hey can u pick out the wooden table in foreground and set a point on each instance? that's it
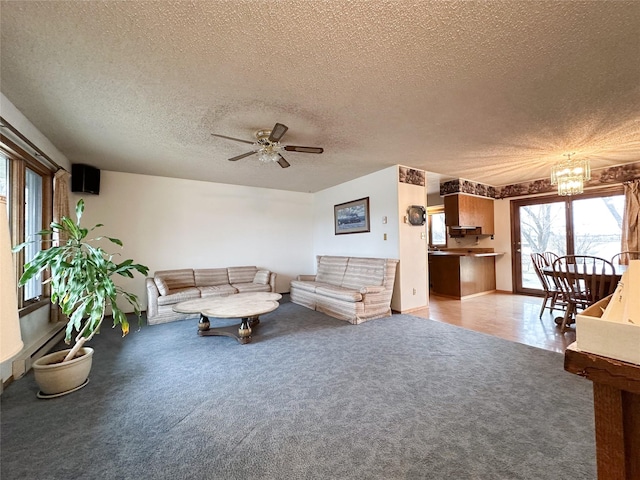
(616, 404)
(245, 306)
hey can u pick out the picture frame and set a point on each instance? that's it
(352, 217)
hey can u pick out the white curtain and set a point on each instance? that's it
(630, 219)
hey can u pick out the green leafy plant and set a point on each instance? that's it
(81, 279)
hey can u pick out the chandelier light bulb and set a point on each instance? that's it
(570, 175)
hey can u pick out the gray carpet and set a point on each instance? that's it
(311, 398)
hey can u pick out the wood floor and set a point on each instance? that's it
(512, 317)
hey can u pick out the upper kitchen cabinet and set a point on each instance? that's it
(468, 215)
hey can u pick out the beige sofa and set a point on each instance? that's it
(169, 287)
(354, 289)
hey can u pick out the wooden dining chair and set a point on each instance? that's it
(549, 257)
(583, 280)
(552, 295)
(623, 258)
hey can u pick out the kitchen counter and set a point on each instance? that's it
(466, 253)
(464, 272)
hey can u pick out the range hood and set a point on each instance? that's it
(463, 230)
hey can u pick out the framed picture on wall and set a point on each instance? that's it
(352, 217)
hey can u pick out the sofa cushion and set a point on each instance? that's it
(262, 277)
(251, 287)
(241, 274)
(331, 269)
(179, 295)
(305, 285)
(163, 288)
(216, 290)
(362, 272)
(339, 293)
(205, 277)
(168, 280)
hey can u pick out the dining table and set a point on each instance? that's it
(618, 271)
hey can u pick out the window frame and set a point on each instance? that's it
(19, 160)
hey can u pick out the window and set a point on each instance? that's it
(588, 224)
(4, 176)
(32, 225)
(28, 186)
(437, 228)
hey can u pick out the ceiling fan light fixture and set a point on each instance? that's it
(267, 151)
(570, 175)
(268, 147)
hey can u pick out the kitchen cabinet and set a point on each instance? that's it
(462, 210)
(460, 273)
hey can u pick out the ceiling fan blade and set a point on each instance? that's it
(233, 159)
(277, 132)
(234, 139)
(294, 148)
(283, 163)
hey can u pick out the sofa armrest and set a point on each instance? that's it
(306, 278)
(376, 296)
(152, 297)
(272, 282)
(372, 289)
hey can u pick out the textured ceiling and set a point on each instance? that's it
(493, 92)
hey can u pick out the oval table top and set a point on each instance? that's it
(239, 305)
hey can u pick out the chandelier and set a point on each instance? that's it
(570, 175)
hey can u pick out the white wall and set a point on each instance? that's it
(381, 188)
(434, 199)
(502, 243)
(168, 223)
(411, 290)
(390, 199)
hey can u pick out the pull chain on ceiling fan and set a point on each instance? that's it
(268, 147)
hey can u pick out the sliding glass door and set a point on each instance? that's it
(588, 224)
(542, 228)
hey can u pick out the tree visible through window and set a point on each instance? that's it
(590, 224)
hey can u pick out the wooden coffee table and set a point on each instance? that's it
(245, 306)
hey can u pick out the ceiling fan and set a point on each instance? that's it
(268, 147)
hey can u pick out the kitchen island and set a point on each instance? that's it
(462, 272)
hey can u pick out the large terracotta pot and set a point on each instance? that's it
(56, 379)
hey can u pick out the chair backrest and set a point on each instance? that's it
(538, 264)
(584, 279)
(623, 258)
(549, 257)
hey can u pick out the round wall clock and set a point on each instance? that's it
(416, 215)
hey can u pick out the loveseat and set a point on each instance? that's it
(169, 287)
(354, 289)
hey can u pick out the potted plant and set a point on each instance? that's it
(82, 285)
